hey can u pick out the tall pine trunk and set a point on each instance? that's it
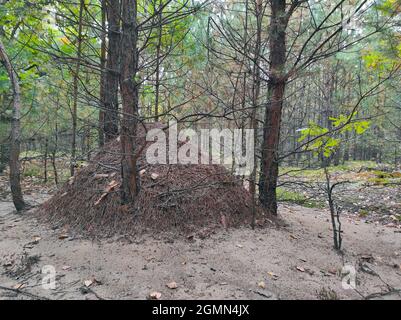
(158, 61)
(76, 89)
(273, 111)
(102, 93)
(129, 93)
(15, 174)
(112, 75)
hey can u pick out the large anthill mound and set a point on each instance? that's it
(184, 198)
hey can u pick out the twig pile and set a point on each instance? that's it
(183, 198)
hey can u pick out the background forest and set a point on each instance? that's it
(317, 82)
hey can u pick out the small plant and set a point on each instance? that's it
(327, 294)
(286, 195)
(363, 213)
(32, 170)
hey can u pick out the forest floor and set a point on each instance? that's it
(295, 261)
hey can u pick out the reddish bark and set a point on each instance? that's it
(112, 66)
(273, 111)
(129, 93)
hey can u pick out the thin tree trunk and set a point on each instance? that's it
(158, 62)
(273, 111)
(103, 60)
(112, 75)
(46, 155)
(75, 90)
(15, 174)
(129, 93)
(255, 101)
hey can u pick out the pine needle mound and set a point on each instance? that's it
(181, 198)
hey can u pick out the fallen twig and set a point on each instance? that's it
(28, 294)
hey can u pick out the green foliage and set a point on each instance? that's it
(286, 195)
(32, 170)
(323, 140)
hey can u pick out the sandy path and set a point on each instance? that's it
(228, 265)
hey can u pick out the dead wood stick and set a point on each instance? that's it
(18, 291)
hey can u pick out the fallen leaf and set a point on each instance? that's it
(332, 271)
(36, 239)
(18, 286)
(88, 283)
(172, 285)
(63, 236)
(154, 176)
(293, 237)
(65, 268)
(262, 285)
(142, 172)
(301, 269)
(155, 295)
(239, 245)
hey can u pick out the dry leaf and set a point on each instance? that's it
(273, 275)
(154, 176)
(63, 236)
(301, 269)
(332, 271)
(65, 268)
(18, 286)
(172, 285)
(142, 172)
(88, 283)
(262, 285)
(155, 295)
(239, 245)
(37, 238)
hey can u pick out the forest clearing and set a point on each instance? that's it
(200, 150)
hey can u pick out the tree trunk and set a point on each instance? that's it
(273, 111)
(129, 94)
(112, 75)
(15, 175)
(158, 62)
(45, 157)
(103, 49)
(75, 90)
(255, 101)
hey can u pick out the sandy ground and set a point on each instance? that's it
(294, 262)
